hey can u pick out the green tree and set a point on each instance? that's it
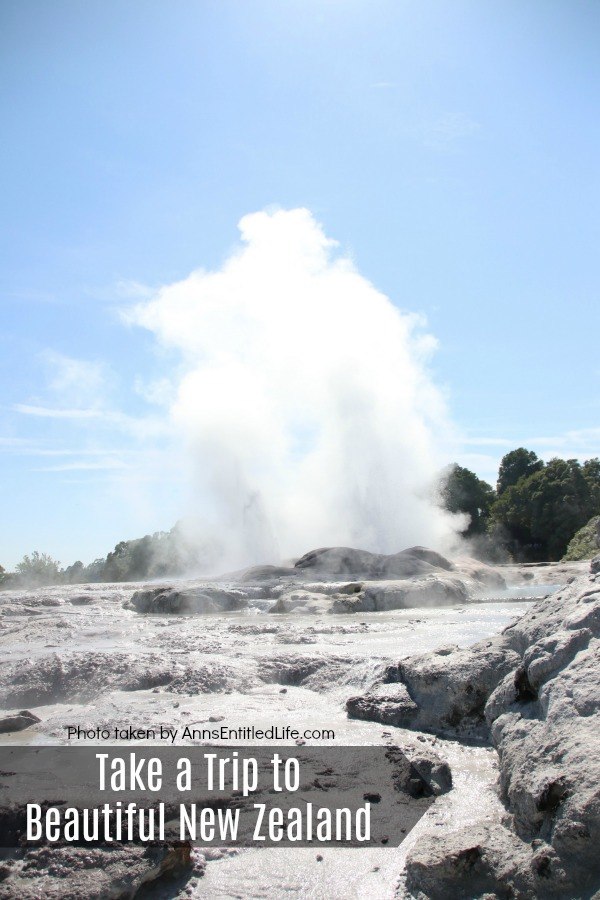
(38, 569)
(517, 464)
(462, 491)
(538, 516)
(139, 559)
(75, 574)
(95, 571)
(591, 473)
(117, 563)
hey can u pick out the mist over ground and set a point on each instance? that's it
(303, 398)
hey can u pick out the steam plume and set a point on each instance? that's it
(303, 397)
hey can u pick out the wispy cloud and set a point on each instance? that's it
(586, 439)
(488, 441)
(77, 383)
(159, 392)
(31, 296)
(139, 426)
(13, 443)
(583, 437)
(109, 463)
(582, 444)
(49, 412)
(23, 447)
(134, 290)
(69, 452)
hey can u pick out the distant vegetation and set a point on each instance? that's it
(535, 511)
(38, 569)
(162, 554)
(538, 511)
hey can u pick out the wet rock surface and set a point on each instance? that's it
(75, 873)
(488, 862)
(64, 677)
(18, 722)
(444, 692)
(537, 695)
(543, 573)
(88, 656)
(85, 654)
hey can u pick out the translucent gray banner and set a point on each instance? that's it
(237, 796)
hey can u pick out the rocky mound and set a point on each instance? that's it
(202, 599)
(346, 562)
(411, 578)
(535, 693)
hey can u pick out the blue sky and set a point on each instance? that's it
(450, 147)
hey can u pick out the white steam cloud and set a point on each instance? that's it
(303, 397)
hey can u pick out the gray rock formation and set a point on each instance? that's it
(482, 862)
(412, 578)
(443, 693)
(62, 677)
(72, 873)
(430, 590)
(345, 561)
(19, 722)
(535, 693)
(373, 596)
(204, 599)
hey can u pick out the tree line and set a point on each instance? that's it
(158, 555)
(535, 510)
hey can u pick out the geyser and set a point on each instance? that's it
(303, 397)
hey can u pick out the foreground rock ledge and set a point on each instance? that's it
(534, 692)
